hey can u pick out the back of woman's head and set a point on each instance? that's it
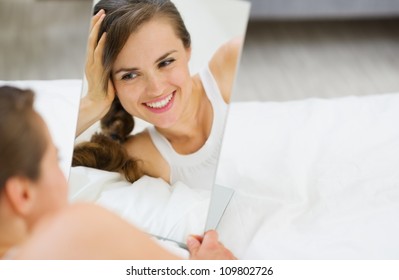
(125, 17)
(22, 140)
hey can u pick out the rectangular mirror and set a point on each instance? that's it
(171, 65)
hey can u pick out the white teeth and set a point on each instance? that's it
(160, 104)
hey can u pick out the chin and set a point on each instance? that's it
(165, 124)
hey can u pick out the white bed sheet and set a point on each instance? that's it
(313, 179)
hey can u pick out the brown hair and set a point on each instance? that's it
(22, 141)
(105, 151)
(106, 154)
(124, 17)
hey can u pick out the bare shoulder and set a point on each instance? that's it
(88, 231)
(142, 140)
(141, 147)
(223, 65)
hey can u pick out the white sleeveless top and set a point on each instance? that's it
(197, 170)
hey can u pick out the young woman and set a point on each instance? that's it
(36, 221)
(141, 59)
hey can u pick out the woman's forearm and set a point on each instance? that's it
(89, 113)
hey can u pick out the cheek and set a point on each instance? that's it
(52, 194)
(180, 77)
(128, 96)
(122, 90)
(58, 188)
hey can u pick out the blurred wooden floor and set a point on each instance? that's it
(294, 60)
(43, 40)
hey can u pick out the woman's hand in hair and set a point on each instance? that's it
(101, 92)
(208, 247)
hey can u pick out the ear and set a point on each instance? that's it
(21, 194)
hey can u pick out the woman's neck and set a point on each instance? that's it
(13, 232)
(194, 126)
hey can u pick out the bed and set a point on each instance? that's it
(317, 178)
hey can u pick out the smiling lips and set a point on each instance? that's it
(161, 105)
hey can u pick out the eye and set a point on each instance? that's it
(166, 62)
(129, 76)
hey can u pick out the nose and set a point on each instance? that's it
(154, 85)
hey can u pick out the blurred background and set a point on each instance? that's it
(297, 49)
(294, 49)
(43, 39)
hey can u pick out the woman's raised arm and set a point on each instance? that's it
(96, 103)
(224, 66)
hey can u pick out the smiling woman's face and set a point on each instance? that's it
(151, 74)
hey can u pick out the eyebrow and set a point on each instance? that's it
(135, 68)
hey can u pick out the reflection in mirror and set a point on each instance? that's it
(314, 177)
(164, 70)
